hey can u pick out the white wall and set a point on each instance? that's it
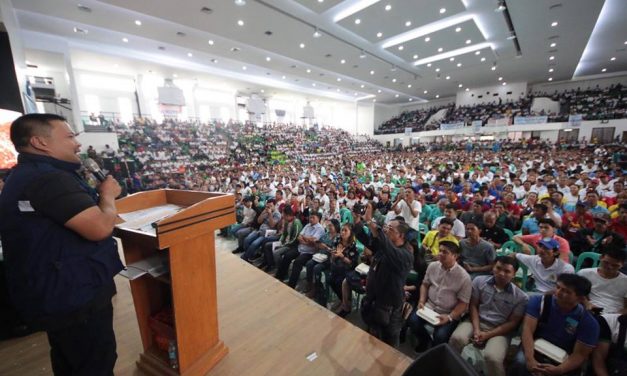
(107, 88)
(97, 140)
(383, 113)
(365, 118)
(546, 104)
(471, 97)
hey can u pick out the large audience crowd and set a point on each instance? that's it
(591, 103)
(482, 236)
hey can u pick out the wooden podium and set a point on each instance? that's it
(186, 238)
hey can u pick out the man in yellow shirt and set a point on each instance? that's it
(432, 240)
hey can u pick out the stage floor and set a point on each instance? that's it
(269, 329)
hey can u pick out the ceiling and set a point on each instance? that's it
(388, 51)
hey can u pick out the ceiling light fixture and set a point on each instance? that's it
(401, 48)
(551, 70)
(317, 33)
(362, 55)
(500, 78)
(244, 67)
(138, 22)
(240, 22)
(552, 44)
(379, 34)
(409, 86)
(357, 21)
(427, 29)
(604, 70)
(460, 85)
(554, 24)
(504, 83)
(440, 49)
(426, 91)
(468, 41)
(268, 58)
(483, 59)
(427, 39)
(371, 72)
(442, 10)
(80, 31)
(451, 59)
(411, 99)
(125, 40)
(437, 95)
(459, 65)
(379, 91)
(302, 45)
(210, 42)
(551, 57)
(308, 70)
(189, 54)
(408, 24)
(394, 80)
(339, 79)
(388, 7)
(458, 29)
(429, 65)
(613, 58)
(396, 96)
(448, 77)
(240, 3)
(467, 89)
(437, 69)
(501, 7)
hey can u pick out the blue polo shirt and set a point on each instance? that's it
(564, 329)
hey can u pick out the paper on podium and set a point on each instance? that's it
(549, 350)
(429, 315)
(155, 266)
(142, 220)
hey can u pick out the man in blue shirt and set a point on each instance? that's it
(530, 225)
(562, 321)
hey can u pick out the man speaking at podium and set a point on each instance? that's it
(59, 253)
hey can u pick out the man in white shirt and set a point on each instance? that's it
(609, 285)
(408, 207)
(459, 230)
(546, 265)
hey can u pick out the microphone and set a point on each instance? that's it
(93, 167)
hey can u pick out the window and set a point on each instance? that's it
(602, 135)
(568, 136)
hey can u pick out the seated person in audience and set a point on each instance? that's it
(407, 206)
(446, 289)
(269, 219)
(432, 240)
(307, 245)
(619, 224)
(437, 211)
(593, 203)
(496, 308)
(530, 225)
(289, 239)
(315, 269)
(474, 215)
(550, 212)
(545, 266)
(547, 231)
(574, 221)
(503, 219)
(609, 285)
(610, 355)
(562, 321)
(477, 254)
(344, 258)
(593, 239)
(248, 215)
(492, 233)
(459, 231)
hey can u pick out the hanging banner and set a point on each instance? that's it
(408, 131)
(476, 126)
(450, 126)
(575, 119)
(521, 120)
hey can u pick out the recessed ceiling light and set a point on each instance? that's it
(379, 91)
(550, 78)
(483, 59)
(409, 86)
(371, 72)
(458, 29)
(189, 54)
(268, 58)
(625, 42)
(302, 45)
(244, 67)
(362, 86)
(308, 70)
(552, 44)
(415, 56)
(460, 85)
(448, 77)
(442, 10)
(401, 48)
(357, 21)
(467, 89)
(210, 42)
(339, 79)
(240, 3)
(411, 99)
(425, 92)
(394, 80)
(379, 34)
(408, 24)
(504, 83)
(342, 61)
(317, 33)
(500, 78)
(493, 67)
(440, 49)
(427, 39)
(429, 65)
(554, 23)
(338, 90)
(263, 91)
(613, 58)
(80, 31)
(551, 70)
(459, 65)
(125, 40)
(451, 59)
(388, 7)
(477, 52)
(314, 84)
(604, 70)
(283, 77)
(551, 57)
(138, 22)
(437, 69)
(468, 41)
(437, 95)
(175, 75)
(240, 22)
